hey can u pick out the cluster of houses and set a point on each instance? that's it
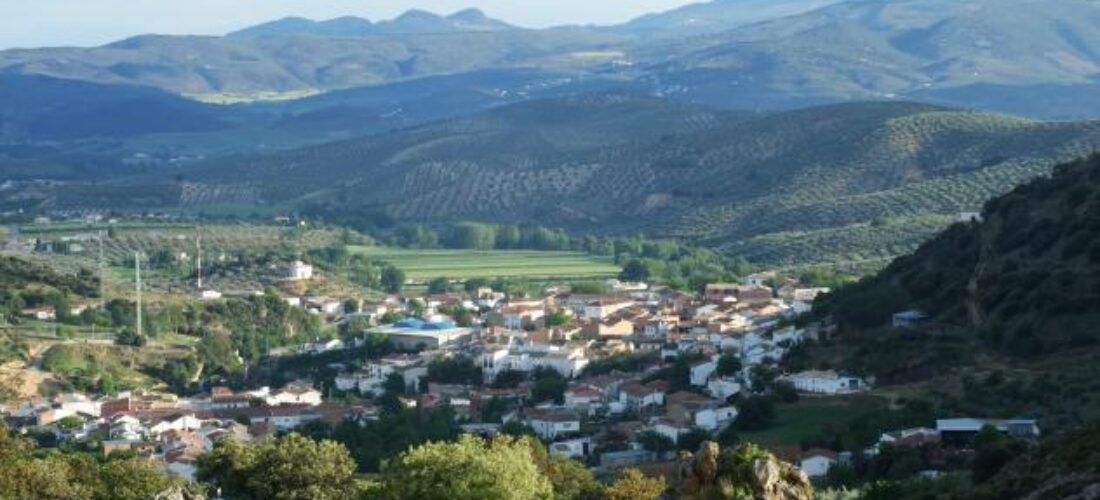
(564, 333)
(950, 438)
(175, 430)
(600, 418)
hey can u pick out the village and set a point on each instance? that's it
(615, 379)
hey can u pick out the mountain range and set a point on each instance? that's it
(1022, 56)
(413, 22)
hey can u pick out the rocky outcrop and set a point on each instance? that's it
(746, 472)
(177, 493)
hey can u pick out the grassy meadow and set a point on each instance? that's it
(420, 265)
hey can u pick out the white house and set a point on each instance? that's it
(410, 368)
(602, 308)
(816, 463)
(281, 417)
(584, 398)
(909, 319)
(517, 316)
(723, 388)
(669, 429)
(572, 448)
(322, 347)
(295, 395)
(299, 271)
(181, 423)
(79, 403)
(757, 279)
(970, 217)
(638, 396)
(208, 294)
(713, 419)
(568, 363)
(825, 382)
(701, 372)
(552, 423)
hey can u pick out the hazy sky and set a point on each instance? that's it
(34, 23)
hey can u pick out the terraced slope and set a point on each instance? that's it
(867, 180)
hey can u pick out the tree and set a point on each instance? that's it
(557, 318)
(394, 384)
(26, 474)
(633, 485)
(128, 337)
(393, 279)
(635, 270)
(515, 428)
(692, 439)
(549, 388)
(728, 365)
(785, 391)
(292, 467)
(390, 317)
(454, 371)
(755, 414)
(438, 286)
(469, 469)
(761, 376)
(508, 379)
(992, 451)
(70, 422)
(218, 353)
(570, 479)
(656, 442)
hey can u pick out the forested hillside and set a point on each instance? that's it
(1026, 280)
(848, 182)
(28, 284)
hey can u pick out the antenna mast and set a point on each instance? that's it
(137, 282)
(198, 259)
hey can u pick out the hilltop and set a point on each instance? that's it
(409, 23)
(716, 16)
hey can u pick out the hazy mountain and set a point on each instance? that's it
(347, 26)
(287, 66)
(412, 22)
(717, 16)
(1040, 58)
(917, 49)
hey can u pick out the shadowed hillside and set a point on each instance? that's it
(1027, 278)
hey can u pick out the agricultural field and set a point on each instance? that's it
(423, 265)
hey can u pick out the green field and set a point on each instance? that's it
(810, 416)
(422, 265)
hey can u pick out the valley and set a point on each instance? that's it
(735, 249)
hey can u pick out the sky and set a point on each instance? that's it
(42, 23)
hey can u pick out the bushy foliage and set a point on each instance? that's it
(26, 473)
(468, 469)
(289, 468)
